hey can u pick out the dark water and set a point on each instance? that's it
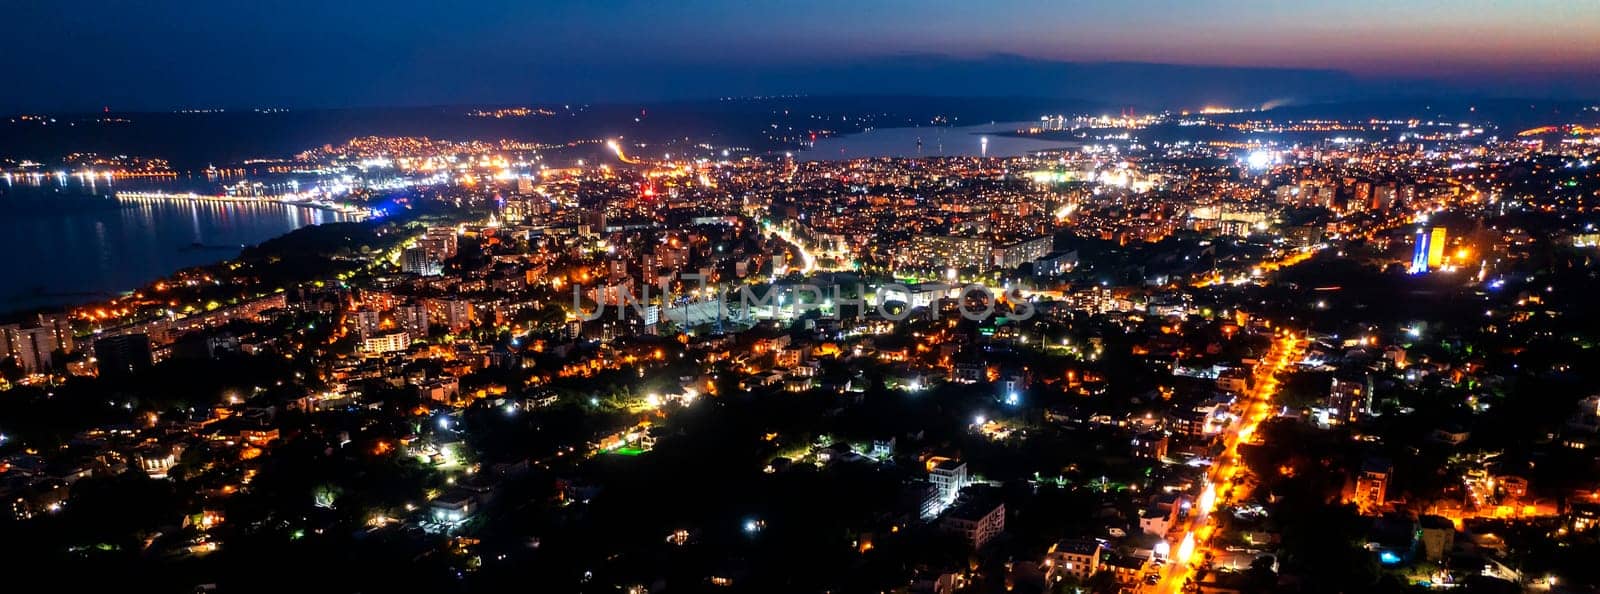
(66, 242)
(936, 141)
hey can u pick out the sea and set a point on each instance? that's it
(70, 240)
(931, 141)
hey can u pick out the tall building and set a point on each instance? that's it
(60, 327)
(1436, 244)
(456, 314)
(1372, 485)
(123, 354)
(413, 318)
(34, 348)
(420, 261)
(1419, 251)
(1348, 399)
(949, 477)
(367, 323)
(440, 242)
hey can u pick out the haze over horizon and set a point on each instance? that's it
(170, 54)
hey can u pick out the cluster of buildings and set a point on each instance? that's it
(1132, 342)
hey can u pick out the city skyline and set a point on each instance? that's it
(628, 297)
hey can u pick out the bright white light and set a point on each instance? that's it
(1208, 499)
(444, 422)
(1259, 159)
(1012, 399)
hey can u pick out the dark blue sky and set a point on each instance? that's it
(157, 54)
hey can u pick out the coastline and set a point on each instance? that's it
(86, 255)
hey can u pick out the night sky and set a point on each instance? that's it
(301, 53)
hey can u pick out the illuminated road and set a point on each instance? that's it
(1190, 551)
(808, 262)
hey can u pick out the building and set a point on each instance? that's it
(1372, 485)
(456, 314)
(1438, 537)
(386, 343)
(413, 318)
(1419, 252)
(1427, 250)
(1348, 399)
(439, 389)
(1436, 245)
(949, 477)
(1078, 558)
(420, 261)
(1150, 445)
(440, 243)
(1022, 252)
(977, 517)
(124, 354)
(60, 327)
(914, 296)
(943, 251)
(1057, 263)
(34, 348)
(367, 323)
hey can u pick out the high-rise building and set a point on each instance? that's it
(123, 354)
(367, 323)
(60, 327)
(33, 348)
(413, 318)
(1372, 485)
(1348, 399)
(420, 261)
(1384, 197)
(1419, 251)
(949, 477)
(1436, 244)
(440, 242)
(456, 314)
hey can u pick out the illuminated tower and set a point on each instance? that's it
(1419, 252)
(1436, 248)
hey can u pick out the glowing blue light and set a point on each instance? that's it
(1388, 558)
(444, 422)
(1013, 399)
